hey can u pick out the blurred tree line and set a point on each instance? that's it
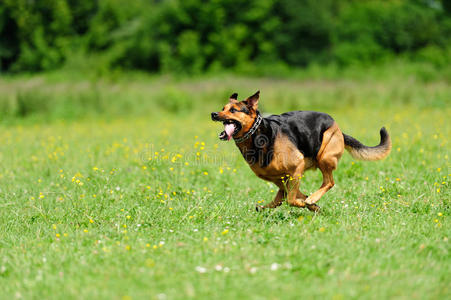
(198, 35)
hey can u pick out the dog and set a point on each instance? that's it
(280, 148)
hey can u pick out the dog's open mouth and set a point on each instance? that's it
(231, 127)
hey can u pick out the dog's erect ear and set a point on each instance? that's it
(233, 98)
(252, 101)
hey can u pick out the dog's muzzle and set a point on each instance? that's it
(214, 116)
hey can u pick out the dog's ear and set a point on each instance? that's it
(252, 101)
(233, 98)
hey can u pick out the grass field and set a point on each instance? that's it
(144, 201)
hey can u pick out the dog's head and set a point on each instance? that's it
(237, 116)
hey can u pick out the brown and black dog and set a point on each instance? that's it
(280, 148)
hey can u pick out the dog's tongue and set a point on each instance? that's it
(229, 129)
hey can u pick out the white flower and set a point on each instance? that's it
(201, 269)
(253, 270)
(274, 266)
(161, 296)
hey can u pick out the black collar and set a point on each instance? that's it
(251, 131)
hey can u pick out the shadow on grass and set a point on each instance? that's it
(287, 214)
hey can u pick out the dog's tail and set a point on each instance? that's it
(360, 151)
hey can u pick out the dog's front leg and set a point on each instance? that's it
(278, 200)
(301, 195)
(294, 196)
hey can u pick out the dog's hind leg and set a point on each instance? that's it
(302, 197)
(328, 157)
(328, 183)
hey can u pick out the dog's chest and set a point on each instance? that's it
(285, 159)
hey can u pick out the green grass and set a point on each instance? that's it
(90, 210)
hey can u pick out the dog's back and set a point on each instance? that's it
(304, 129)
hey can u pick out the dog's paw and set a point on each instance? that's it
(313, 207)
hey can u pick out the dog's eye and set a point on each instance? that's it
(232, 110)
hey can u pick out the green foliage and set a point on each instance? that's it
(371, 31)
(434, 55)
(193, 36)
(305, 31)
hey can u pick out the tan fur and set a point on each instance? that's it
(246, 120)
(331, 150)
(289, 164)
(370, 153)
(288, 160)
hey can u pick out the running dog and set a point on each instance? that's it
(280, 148)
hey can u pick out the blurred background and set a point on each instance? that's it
(68, 59)
(195, 36)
